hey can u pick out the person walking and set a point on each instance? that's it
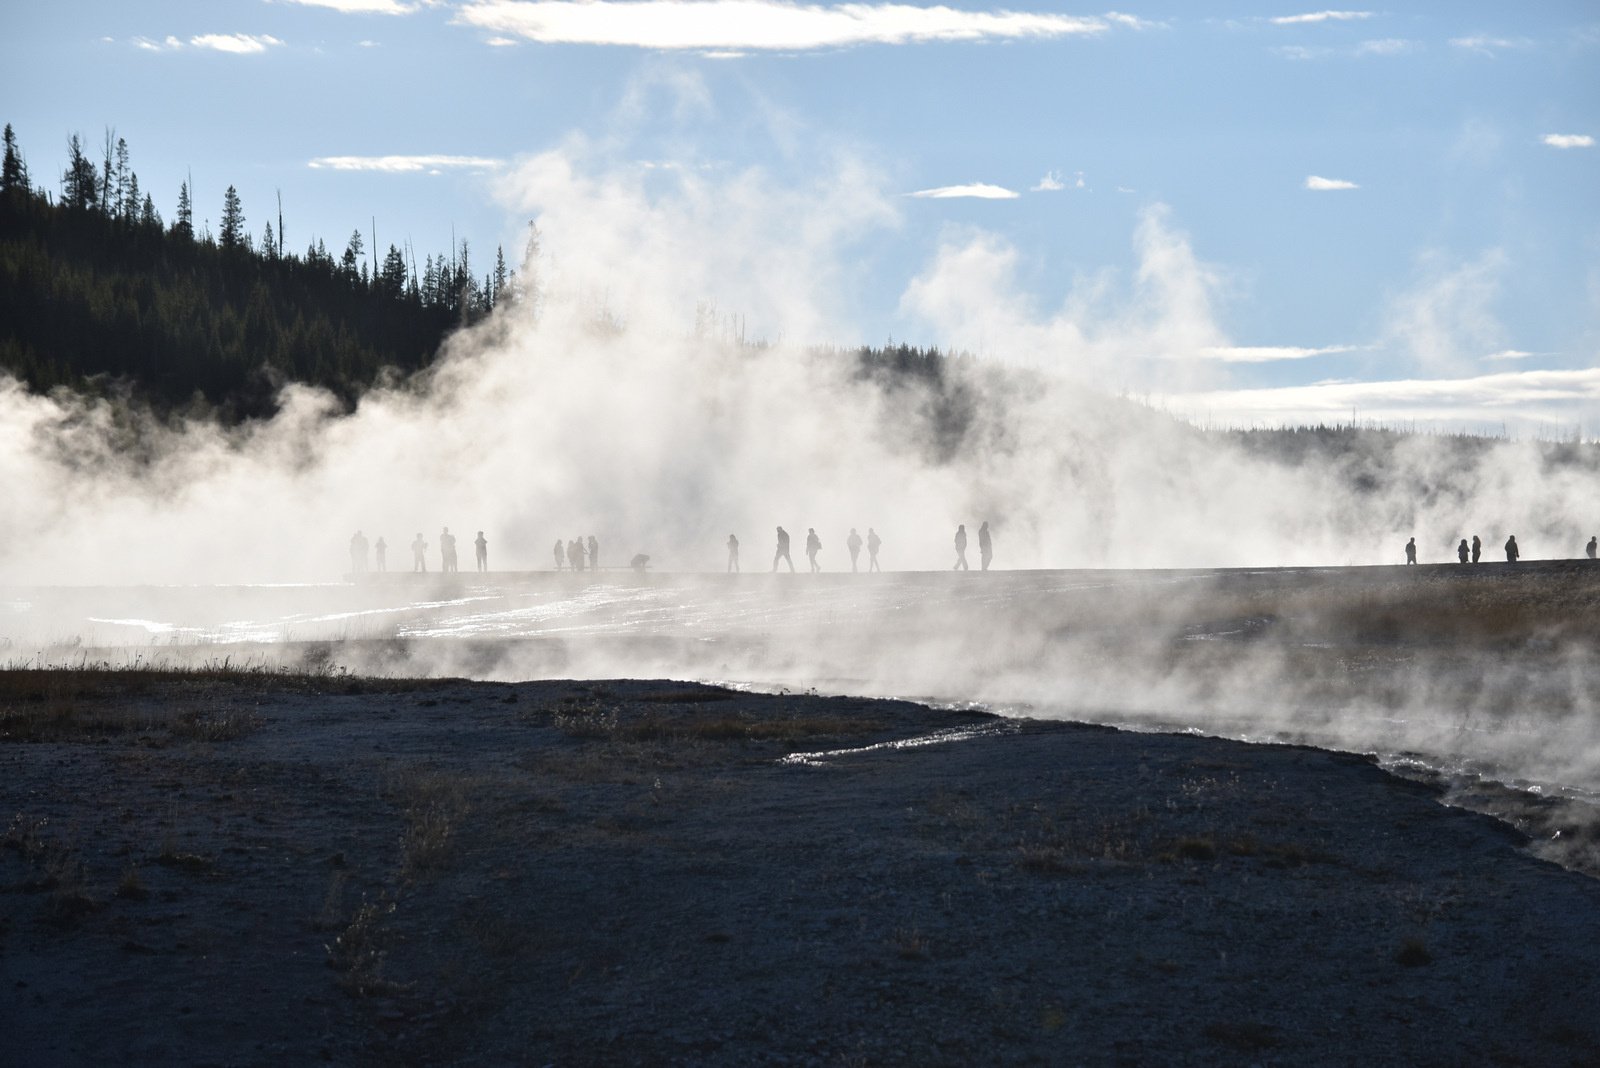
(1477, 548)
(733, 554)
(594, 554)
(1411, 551)
(447, 550)
(380, 553)
(783, 551)
(358, 554)
(575, 554)
(873, 542)
(419, 553)
(985, 546)
(1512, 552)
(813, 547)
(853, 543)
(1594, 541)
(961, 549)
(482, 545)
(561, 554)
(1462, 552)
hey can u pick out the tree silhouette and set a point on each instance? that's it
(232, 235)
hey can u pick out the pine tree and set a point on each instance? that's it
(499, 274)
(233, 235)
(131, 199)
(352, 255)
(269, 246)
(184, 223)
(148, 215)
(119, 196)
(108, 190)
(79, 185)
(14, 173)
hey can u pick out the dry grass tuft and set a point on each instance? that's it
(131, 886)
(219, 725)
(1413, 953)
(358, 953)
(434, 803)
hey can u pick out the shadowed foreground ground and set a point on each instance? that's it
(232, 869)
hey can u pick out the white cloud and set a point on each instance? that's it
(397, 164)
(237, 43)
(368, 44)
(170, 44)
(1568, 140)
(1302, 52)
(1513, 354)
(1488, 45)
(1322, 16)
(1267, 353)
(758, 24)
(502, 42)
(362, 7)
(1049, 183)
(1133, 22)
(1445, 320)
(976, 189)
(1388, 46)
(1322, 184)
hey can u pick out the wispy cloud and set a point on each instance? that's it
(976, 189)
(1568, 140)
(1268, 353)
(1322, 16)
(1323, 184)
(502, 42)
(238, 43)
(149, 45)
(761, 24)
(1489, 45)
(1049, 183)
(1388, 46)
(1302, 52)
(396, 164)
(362, 7)
(1513, 354)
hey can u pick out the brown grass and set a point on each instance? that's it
(434, 804)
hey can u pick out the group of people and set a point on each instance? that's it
(419, 552)
(574, 554)
(1470, 553)
(853, 544)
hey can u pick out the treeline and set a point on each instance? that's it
(98, 293)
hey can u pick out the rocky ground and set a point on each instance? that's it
(236, 869)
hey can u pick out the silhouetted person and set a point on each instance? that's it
(985, 546)
(447, 550)
(1477, 548)
(1411, 551)
(853, 543)
(639, 562)
(561, 554)
(1462, 552)
(873, 541)
(483, 552)
(813, 547)
(783, 551)
(419, 551)
(575, 554)
(733, 553)
(594, 554)
(961, 549)
(358, 553)
(1594, 541)
(1512, 552)
(380, 552)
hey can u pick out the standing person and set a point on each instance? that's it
(961, 549)
(783, 551)
(594, 554)
(561, 555)
(380, 550)
(419, 550)
(1512, 552)
(483, 552)
(853, 543)
(1594, 541)
(873, 541)
(575, 554)
(813, 547)
(1411, 551)
(447, 549)
(985, 546)
(1477, 548)
(1462, 551)
(733, 554)
(358, 553)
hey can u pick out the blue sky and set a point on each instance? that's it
(1416, 187)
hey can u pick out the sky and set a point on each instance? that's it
(1387, 214)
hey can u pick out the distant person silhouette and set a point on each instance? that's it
(575, 554)
(783, 551)
(873, 542)
(594, 554)
(985, 546)
(561, 554)
(380, 552)
(639, 562)
(483, 552)
(447, 549)
(358, 553)
(1512, 552)
(1477, 548)
(961, 549)
(1411, 551)
(853, 543)
(1462, 551)
(813, 547)
(733, 553)
(419, 550)
(1594, 541)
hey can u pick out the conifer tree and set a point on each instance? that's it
(499, 274)
(130, 198)
(79, 185)
(232, 234)
(13, 173)
(184, 223)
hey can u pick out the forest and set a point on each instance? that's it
(100, 294)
